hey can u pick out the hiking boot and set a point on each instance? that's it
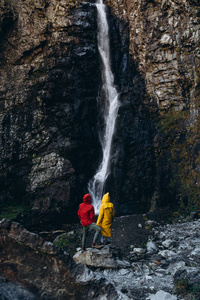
(94, 245)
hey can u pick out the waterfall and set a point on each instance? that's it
(111, 105)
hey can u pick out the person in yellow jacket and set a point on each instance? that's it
(105, 218)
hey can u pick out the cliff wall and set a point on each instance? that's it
(50, 77)
(163, 59)
(49, 84)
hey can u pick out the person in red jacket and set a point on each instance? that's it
(86, 216)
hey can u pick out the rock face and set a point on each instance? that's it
(49, 117)
(161, 136)
(49, 84)
(37, 269)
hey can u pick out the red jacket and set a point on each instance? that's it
(86, 211)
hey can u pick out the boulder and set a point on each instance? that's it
(98, 258)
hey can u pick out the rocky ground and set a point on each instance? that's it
(165, 267)
(147, 260)
(147, 256)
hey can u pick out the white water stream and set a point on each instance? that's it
(111, 105)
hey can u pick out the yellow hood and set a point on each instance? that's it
(106, 198)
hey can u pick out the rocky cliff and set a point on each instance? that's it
(49, 84)
(163, 60)
(50, 77)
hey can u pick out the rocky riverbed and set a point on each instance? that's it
(165, 267)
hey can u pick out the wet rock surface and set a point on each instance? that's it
(155, 271)
(49, 84)
(165, 264)
(43, 271)
(9, 290)
(161, 82)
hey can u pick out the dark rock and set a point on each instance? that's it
(6, 224)
(195, 215)
(45, 270)
(9, 290)
(59, 95)
(191, 276)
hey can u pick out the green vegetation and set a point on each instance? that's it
(173, 217)
(181, 140)
(180, 147)
(62, 241)
(169, 120)
(148, 227)
(183, 288)
(10, 211)
(69, 241)
(195, 290)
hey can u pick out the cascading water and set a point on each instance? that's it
(96, 184)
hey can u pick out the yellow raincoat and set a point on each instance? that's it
(106, 216)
